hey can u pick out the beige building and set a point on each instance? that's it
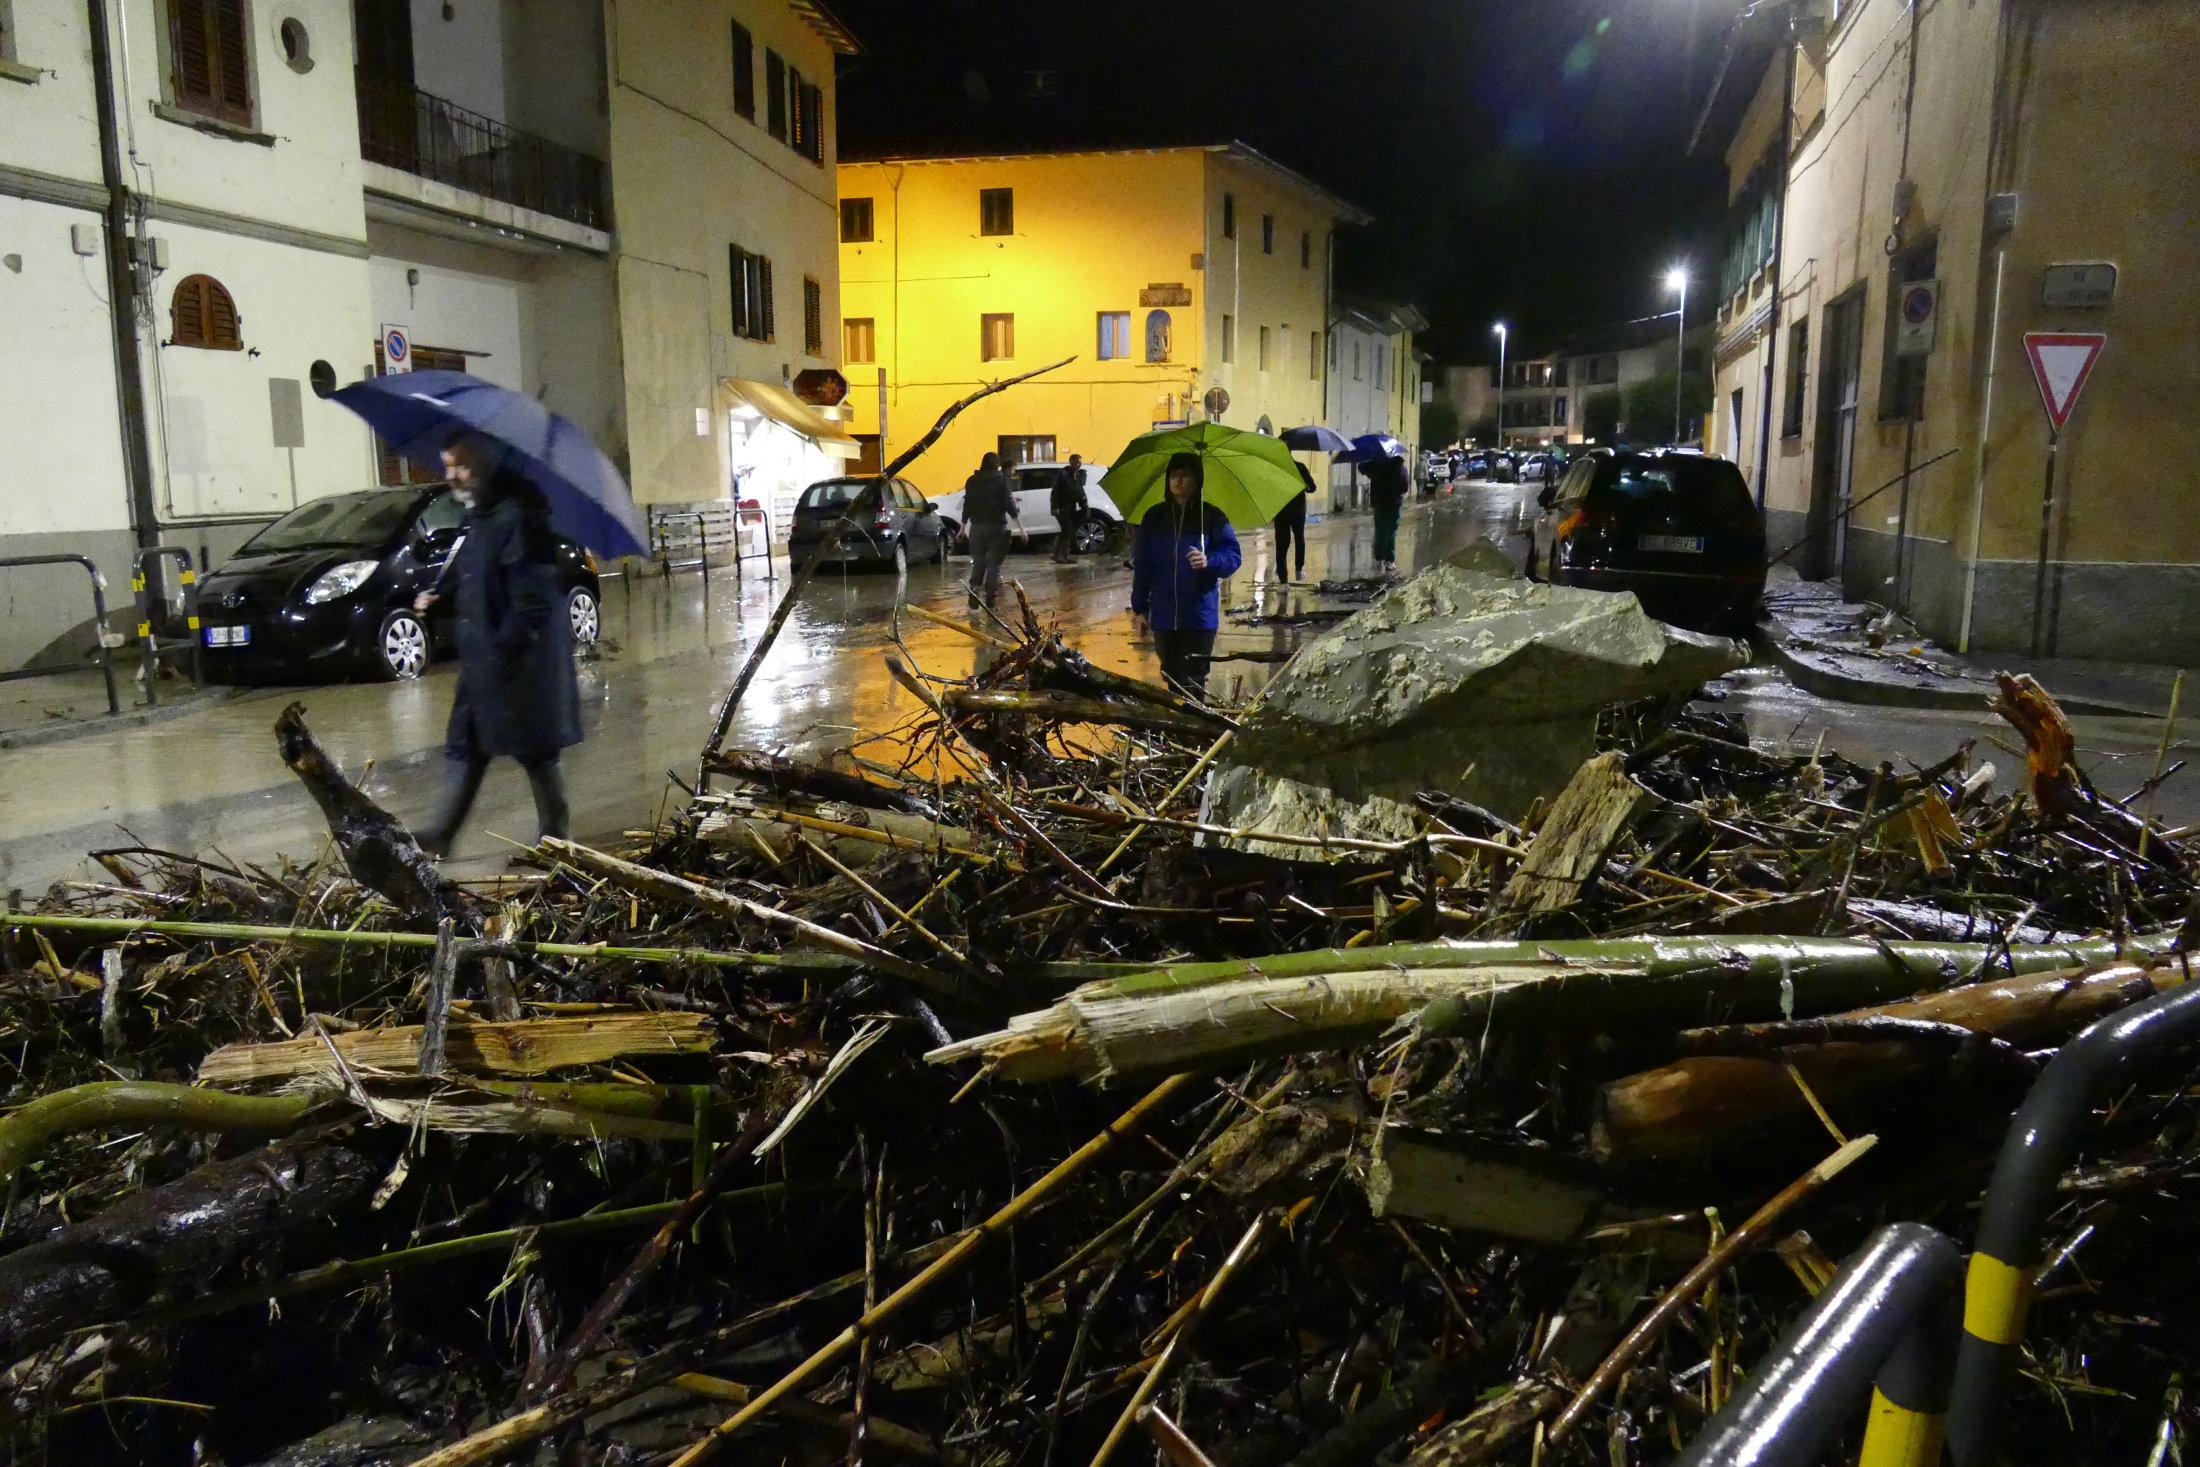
(627, 209)
(1375, 379)
(1916, 188)
(1178, 281)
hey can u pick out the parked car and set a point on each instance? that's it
(1493, 466)
(327, 591)
(1035, 507)
(1678, 529)
(1541, 468)
(904, 528)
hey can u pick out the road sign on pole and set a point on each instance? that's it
(2061, 361)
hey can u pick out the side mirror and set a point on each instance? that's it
(928, 507)
(1547, 496)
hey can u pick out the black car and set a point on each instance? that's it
(1678, 529)
(327, 591)
(905, 526)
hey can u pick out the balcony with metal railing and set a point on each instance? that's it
(429, 137)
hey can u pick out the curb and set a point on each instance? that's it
(63, 730)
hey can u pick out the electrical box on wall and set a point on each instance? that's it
(84, 238)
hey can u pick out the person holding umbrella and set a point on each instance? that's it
(527, 472)
(518, 695)
(1290, 527)
(1185, 550)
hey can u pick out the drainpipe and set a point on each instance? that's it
(1978, 476)
(1779, 259)
(122, 290)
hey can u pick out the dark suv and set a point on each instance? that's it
(1678, 529)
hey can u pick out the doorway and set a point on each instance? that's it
(1833, 469)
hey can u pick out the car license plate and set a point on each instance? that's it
(228, 636)
(1673, 544)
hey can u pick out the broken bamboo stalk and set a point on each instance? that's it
(949, 1262)
(524, 1047)
(1195, 1015)
(28, 1129)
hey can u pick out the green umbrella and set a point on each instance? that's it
(1249, 476)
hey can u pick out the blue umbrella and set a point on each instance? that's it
(1370, 446)
(420, 413)
(1314, 438)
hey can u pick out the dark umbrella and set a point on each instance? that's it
(1314, 438)
(1370, 446)
(420, 413)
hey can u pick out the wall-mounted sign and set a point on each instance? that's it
(1165, 295)
(1913, 332)
(821, 387)
(1217, 402)
(397, 351)
(2084, 284)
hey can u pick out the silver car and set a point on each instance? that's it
(1035, 506)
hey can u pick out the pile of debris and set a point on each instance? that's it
(775, 1133)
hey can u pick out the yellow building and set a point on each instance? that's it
(2005, 169)
(1164, 274)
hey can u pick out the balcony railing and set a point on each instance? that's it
(404, 128)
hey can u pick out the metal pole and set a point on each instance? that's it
(1680, 358)
(1978, 475)
(1902, 510)
(2047, 528)
(1500, 387)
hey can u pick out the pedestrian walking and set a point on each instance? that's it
(1290, 527)
(1069, 506)
(518, 695)
(1386, 491)
(1184, 550)
(989, 508)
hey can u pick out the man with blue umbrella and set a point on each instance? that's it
(526, 472)
(518, 695)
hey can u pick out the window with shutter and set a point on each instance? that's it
(202, 314)
(813, 317)
(798, 116)
(764, 295)
(775, 93)
(744, 72)
(209, 58)
(392, 471)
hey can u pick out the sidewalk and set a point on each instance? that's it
(1860, 652)
(70, 705)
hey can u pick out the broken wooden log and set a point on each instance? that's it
(1068, 708)
(1194, 1015)
(523, 1047)
(376, 846)
(784, 776)
(1524, 1192)
(1576, 836)
(155, 1242)
(1705, 1105)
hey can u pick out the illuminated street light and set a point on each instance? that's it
(1499, 328)
(1677, 279)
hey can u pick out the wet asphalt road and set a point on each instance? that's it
(212, 782)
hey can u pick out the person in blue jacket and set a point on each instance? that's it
(1184, 550)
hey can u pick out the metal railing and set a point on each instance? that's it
(404, 128)
(102, 651)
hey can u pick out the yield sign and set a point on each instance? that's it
(2061, 361)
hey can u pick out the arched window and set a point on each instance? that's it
(202, 314)
(1158, 344)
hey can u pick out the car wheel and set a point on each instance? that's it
(401, 647)
(951, 538)
(1091, 535)
(901, 560)
(584, 615)
(939, 547)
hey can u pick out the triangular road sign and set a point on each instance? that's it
(2061, 361)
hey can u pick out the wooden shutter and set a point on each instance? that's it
(222, 332)
(770, 324)
(775, 93)
(191, 54)
(233, 61)
(737, 270)
(187, 313)
(744, 72)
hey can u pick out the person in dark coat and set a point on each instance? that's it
(1290, 527)
(1067, 500)
(1185, 549)
(989, 509)
(518, 695)
(1386, 493)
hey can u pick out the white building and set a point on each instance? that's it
(1374, 385)
(211, 209)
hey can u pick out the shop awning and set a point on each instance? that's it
(783, 407)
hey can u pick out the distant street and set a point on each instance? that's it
(210, 782)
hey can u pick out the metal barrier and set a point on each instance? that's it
(684, 539)
(146, 588)
(751, 511)
(1888, 1318)
(2040, 1143)
(104, 651)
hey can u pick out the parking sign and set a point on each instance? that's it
(397, 352)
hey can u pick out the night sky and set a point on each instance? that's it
(1524, 159)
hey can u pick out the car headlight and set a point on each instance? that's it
(341, 581)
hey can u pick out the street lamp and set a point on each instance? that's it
(1499, 328)
(1677, 279)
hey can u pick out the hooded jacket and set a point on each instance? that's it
(1165, 588)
